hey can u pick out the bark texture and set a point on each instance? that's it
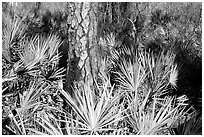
(82, 55)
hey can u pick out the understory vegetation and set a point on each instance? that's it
(141, 76)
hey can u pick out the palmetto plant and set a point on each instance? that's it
(159, 117)
(50, 125)
(147, 72)
(95, 114)
(148, 82)
(39, 57)
(38, 61)
(38, 51)
(162, 71)
(30, 104)
(13, 31)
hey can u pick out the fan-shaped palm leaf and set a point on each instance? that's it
(13, 29)
(173, 76)
(37, 51)
(158, 118)
(95, 116)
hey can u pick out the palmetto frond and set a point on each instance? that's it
(173, 76)
(131, 77)
(148, 72)
(13, 30)
(159, 71)
(111, 41)
(37, 51)
(29, 103)
(31, 96)
(95, 115)
(50, 126)
(158, 118)
(51, 44)
(145, 80)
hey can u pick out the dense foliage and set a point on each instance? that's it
(146, 79)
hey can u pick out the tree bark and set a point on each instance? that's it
(83, 24)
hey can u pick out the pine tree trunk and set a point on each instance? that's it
(82, 20)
